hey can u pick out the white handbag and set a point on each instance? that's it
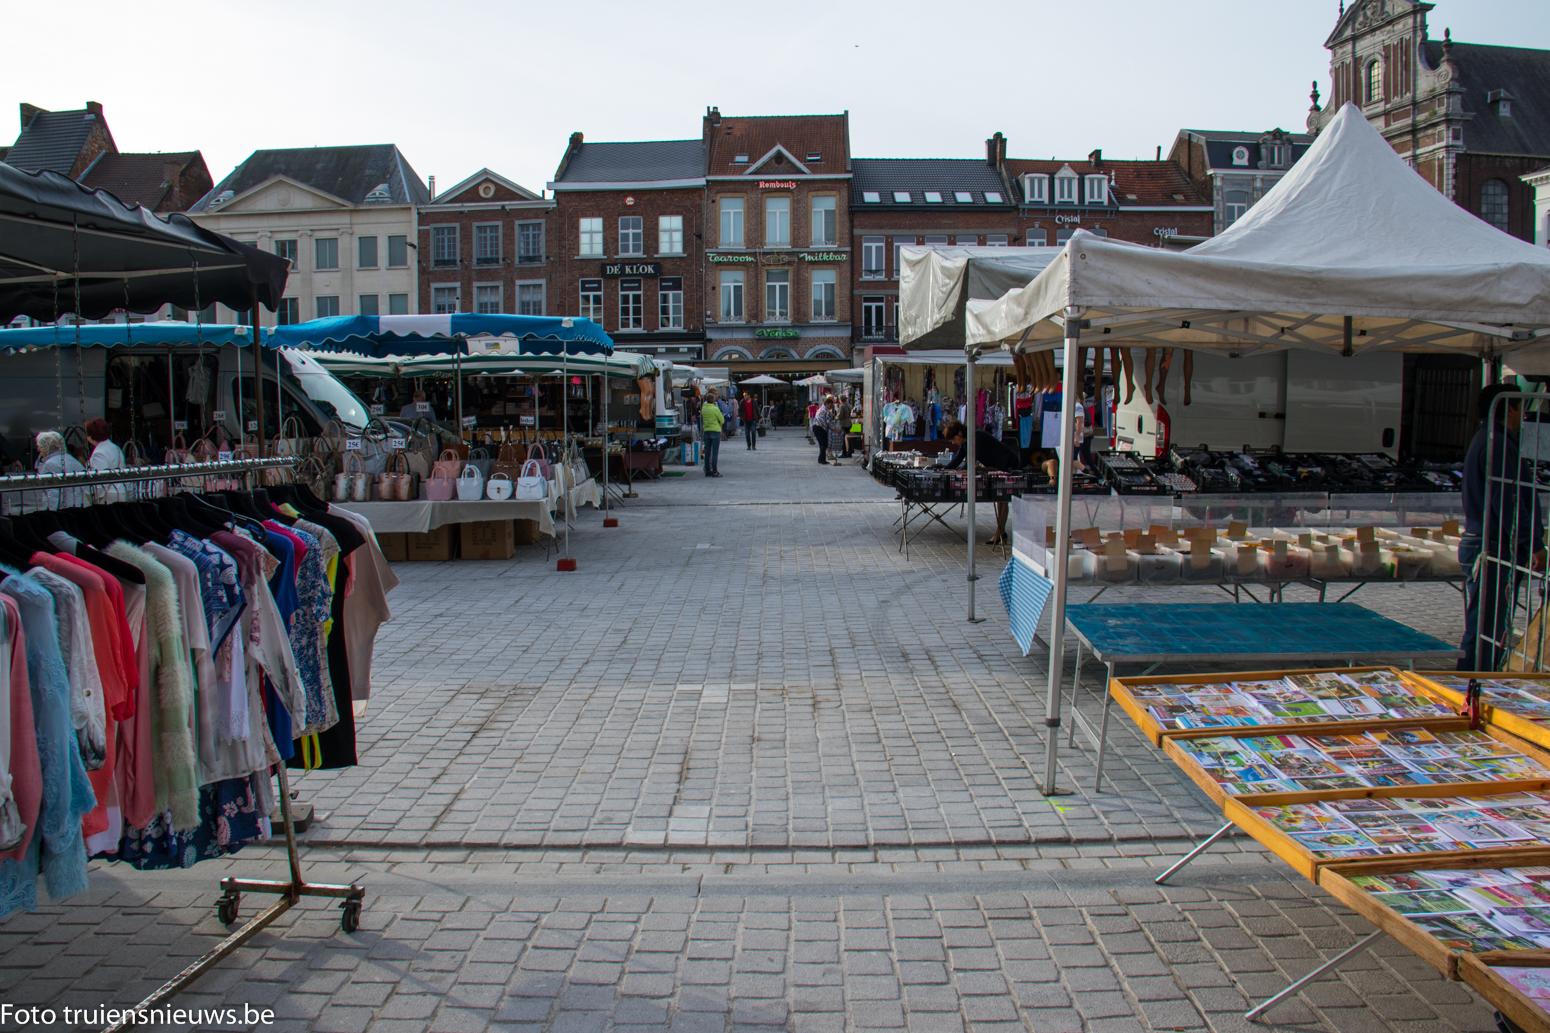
(532, 485)
(498, 488)
(470, 486)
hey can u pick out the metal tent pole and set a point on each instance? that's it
(565, 433)
(1057, 634)
(972, 481)
(457, 371)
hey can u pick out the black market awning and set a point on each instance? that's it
(50, 226)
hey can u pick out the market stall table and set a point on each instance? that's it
(1219, 633)
(422, 516)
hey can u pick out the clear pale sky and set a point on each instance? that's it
(464, 84)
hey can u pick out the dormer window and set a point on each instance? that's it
(871, 196)
(1279, 155)
(1503, 101)
(933, 197)
(963, 197)
(992, 197)
(739, 159)
(815, 156)
(1097, 190)
(901, 197)
(1240, 156)
(379, 193)
(1036, 189)
(1065, 186)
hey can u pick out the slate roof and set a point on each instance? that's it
(634, 162)
(947, 176)
(140, 178)
(1524, 74)
(52, 140)
(756, 136)
(349, 173)
(1146, 184)
(1219, 146)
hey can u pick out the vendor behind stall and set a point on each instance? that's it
(989, 451)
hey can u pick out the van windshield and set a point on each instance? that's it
(333, 399)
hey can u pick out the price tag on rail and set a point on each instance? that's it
(396, 443)
(219, 416)
(179, 424)
(527, 421)
(376, 410)
(223, 457)
(469, 421)
(352, 444)
(253, 425)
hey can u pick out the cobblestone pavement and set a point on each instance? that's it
(748, 767)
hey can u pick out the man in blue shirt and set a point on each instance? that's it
(1511, 536)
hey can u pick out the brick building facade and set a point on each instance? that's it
(1471, 119)
(778, 238)
(1144, 202)
(628, 243)
(484, 247)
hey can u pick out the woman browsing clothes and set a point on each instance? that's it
(989, 451)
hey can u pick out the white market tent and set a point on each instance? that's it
(1350, 252)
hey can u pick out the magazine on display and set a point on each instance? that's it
(1294, 699)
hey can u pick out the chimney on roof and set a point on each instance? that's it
(93, 108)
(714, 114)
(1159, 152)
(1096, 157)
(432, 187)
(28, 111)
(995, 151)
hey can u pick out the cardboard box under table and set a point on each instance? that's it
(1157, 633)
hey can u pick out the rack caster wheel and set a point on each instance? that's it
(350, 915)
(227, 906)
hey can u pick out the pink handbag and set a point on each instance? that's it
(441, 487)
(540, 459)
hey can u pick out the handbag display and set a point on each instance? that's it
(541, 459)
(532, 486)
(481, 459)
(312, 473)
(499, 487)
(374, 446)
(352, 484)
(442, 486)
(508, 462)
(450, 463)
(421, 450)
(328, 448)
(470, 484)
(395, 483)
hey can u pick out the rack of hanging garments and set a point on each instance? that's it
(165, 652)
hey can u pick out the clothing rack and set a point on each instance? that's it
(227, 906)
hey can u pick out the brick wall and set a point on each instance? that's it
(1473, 170)
(467, 210)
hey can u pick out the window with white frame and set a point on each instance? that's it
(777, 221)
(824, 306)
(530, 242)
(328, 305)
(1061, 236)
(444, 299)
(777, 296)
(398, 304)
(530, 299)
(592, 301)
(326, 252)
(670, 235)
(872, 249)
(632, 235)
(1065, 188)
(966, 241)
(732, 296)
(487, 298)
(995, 240)
(898, 258)
(1240, 156)
(631, 305)
(937, 239)
(872, 318)
(1036, 188)
(670, 303)
(1494, 204)
(1234, 204)
(731, 222)
(1097, 190)
(443, 246)
(591, 231)
(825, 226)
(487, 243)
(1033, 238)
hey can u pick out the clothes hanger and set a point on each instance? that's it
(175, 510)
(25, 535)
(149, 518)
(113, 521)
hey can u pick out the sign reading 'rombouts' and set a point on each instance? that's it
(614, 270)
(777, 184)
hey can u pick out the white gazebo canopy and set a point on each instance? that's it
(1350, 252)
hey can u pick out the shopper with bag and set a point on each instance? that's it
(711, 422)
(750, 420)
(823, 423)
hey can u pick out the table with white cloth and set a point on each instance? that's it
(424, 515)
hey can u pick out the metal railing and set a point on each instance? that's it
(138, 474)
(1508, 593)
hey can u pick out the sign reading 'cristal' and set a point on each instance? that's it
(777, 184)
(617, 269)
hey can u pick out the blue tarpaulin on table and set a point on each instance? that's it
(1024, 592)
(446, 333)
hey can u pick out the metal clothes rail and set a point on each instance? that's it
(227, 906)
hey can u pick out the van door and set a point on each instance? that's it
(239, 393)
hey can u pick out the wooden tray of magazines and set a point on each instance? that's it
(1336, 879)
(1240, 811)
(1523, 727)
(1492, 976)
(1119, 688)
(1174, 747)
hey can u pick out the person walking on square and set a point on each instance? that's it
(844, 428)
(823, 423)
(750, 421)
(711, 422)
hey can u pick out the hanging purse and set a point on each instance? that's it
(470, 484)
(499, 487)
(532, 486)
